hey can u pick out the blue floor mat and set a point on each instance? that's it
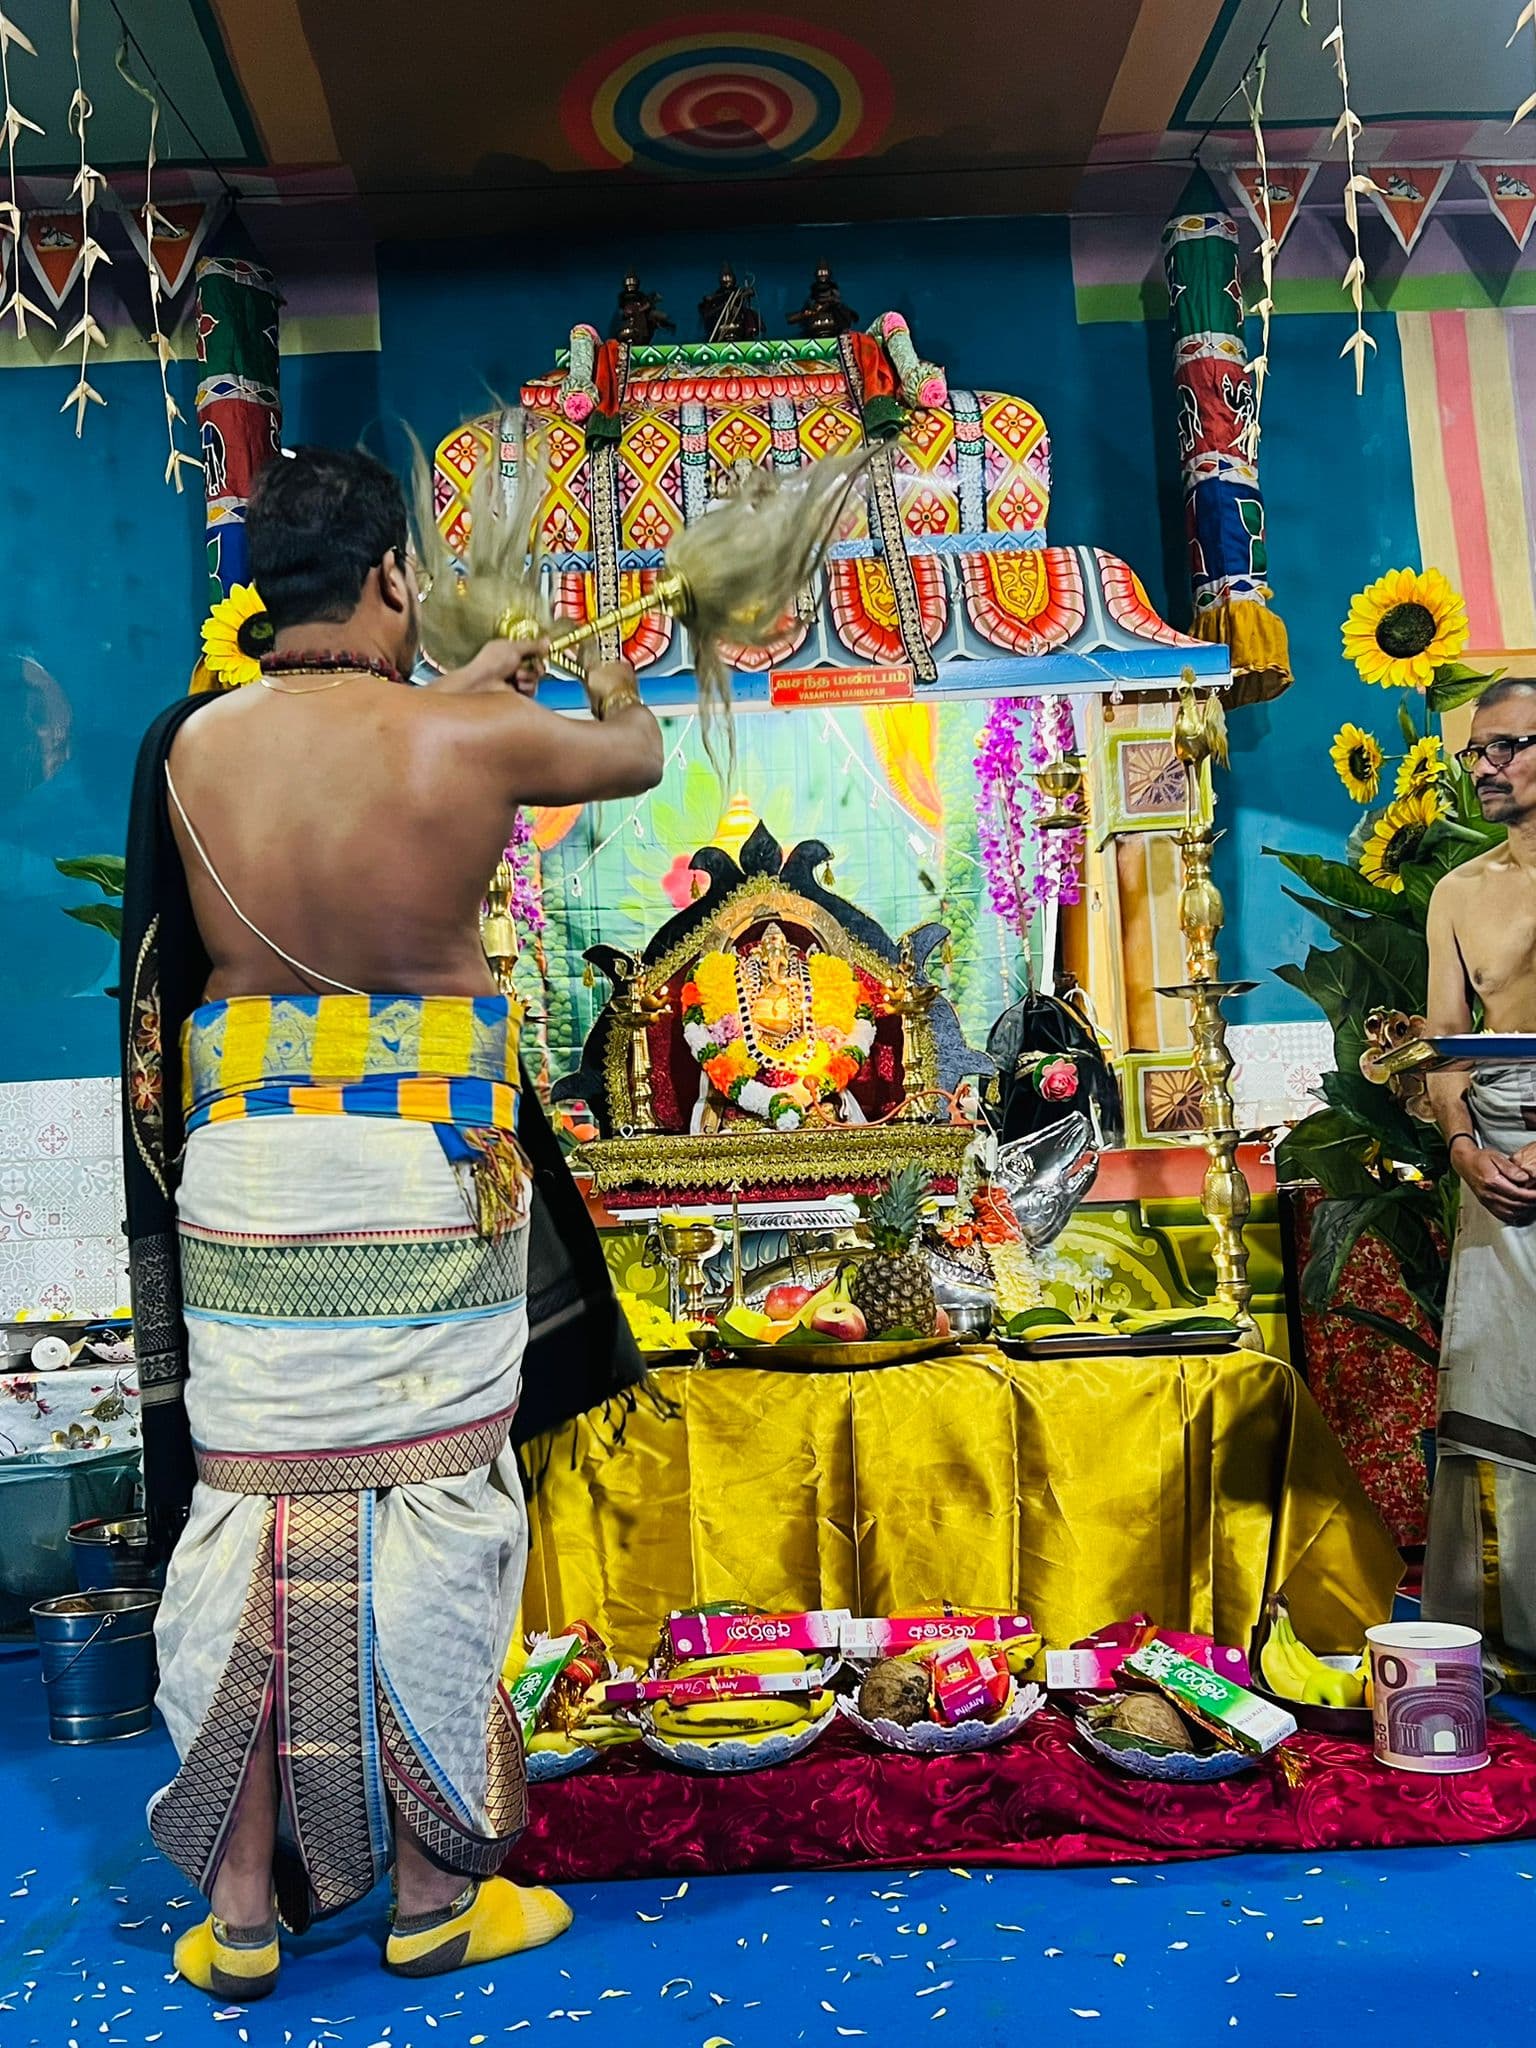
(1281, 1950)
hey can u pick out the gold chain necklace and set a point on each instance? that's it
(313, 690)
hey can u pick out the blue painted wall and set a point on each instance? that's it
(103, 569)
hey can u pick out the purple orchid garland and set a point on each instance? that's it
(527, 896)
(1059, 876)
(1000, 822)
(1003, 827)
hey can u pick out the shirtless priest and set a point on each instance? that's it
(357, 1258)
(1482, 958)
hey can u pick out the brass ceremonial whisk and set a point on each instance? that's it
(730, 577)
(670, 593)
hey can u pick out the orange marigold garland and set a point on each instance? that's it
(784, 1084)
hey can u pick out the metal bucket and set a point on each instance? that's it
(98, 1662)
(113, 1552)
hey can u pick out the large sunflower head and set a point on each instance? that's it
(1421, 767)
(236, 634)
(1357, 756)
(1403, 626)
(1396, 836)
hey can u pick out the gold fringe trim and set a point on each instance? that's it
(1259, 644)
(503, 1178)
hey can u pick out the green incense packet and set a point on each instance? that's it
(1234, 1716)
(534, 1683)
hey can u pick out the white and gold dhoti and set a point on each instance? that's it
(353, 1564)
(1486, 1433)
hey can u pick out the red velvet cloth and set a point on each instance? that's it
(1038, 1800)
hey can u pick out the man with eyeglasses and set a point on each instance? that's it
(1482, 975)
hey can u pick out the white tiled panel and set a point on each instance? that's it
(61, 1198)
(1277, 1071)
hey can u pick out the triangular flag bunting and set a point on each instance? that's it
(55, 246)
(1511, 190)
(1404, 195)
(1287, 188)
(178, 229)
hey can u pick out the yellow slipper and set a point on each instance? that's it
(485, 1922)
(235, 1963)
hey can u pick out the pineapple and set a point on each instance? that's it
(893, 1287)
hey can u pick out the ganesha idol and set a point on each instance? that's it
(779, 1034)
(772, 1040)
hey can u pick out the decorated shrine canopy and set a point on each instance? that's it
(940, 583)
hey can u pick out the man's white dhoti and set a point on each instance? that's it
(354, 1560)
(1487, 1390)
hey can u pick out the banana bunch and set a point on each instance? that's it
(1293, 1671)
(596, 1729)
(599, 1729)
(754, 1663)
(555, 1742)
(1021, 1653)
(751, 1719)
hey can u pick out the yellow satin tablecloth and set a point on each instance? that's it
(1184, 1488)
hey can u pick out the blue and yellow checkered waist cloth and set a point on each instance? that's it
(449, 1061)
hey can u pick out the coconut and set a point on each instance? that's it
(1149, 1715)
(898, 1690)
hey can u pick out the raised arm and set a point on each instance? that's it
(544, 757)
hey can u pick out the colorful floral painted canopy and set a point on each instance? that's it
(942, 569)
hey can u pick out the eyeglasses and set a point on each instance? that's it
(1497, 753)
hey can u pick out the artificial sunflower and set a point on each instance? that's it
(1421, 767)
(1403, 626)
(1357, 755)
(236, 634)
(1396, 836)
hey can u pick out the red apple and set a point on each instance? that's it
(785, 1301)
(846, 1324)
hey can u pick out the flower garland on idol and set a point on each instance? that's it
(782, 1086)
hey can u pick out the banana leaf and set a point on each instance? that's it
(1338, 882)
(1455, 684)
(1374, 1108)
(106, 917)
(1329, 1147)
(104, 869)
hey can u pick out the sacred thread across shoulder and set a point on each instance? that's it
(310, 974)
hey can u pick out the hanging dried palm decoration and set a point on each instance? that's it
(1348, 125)
(18, 305)
(88, 183)
(153, 220)
(1258, 366)
(1527, 20)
